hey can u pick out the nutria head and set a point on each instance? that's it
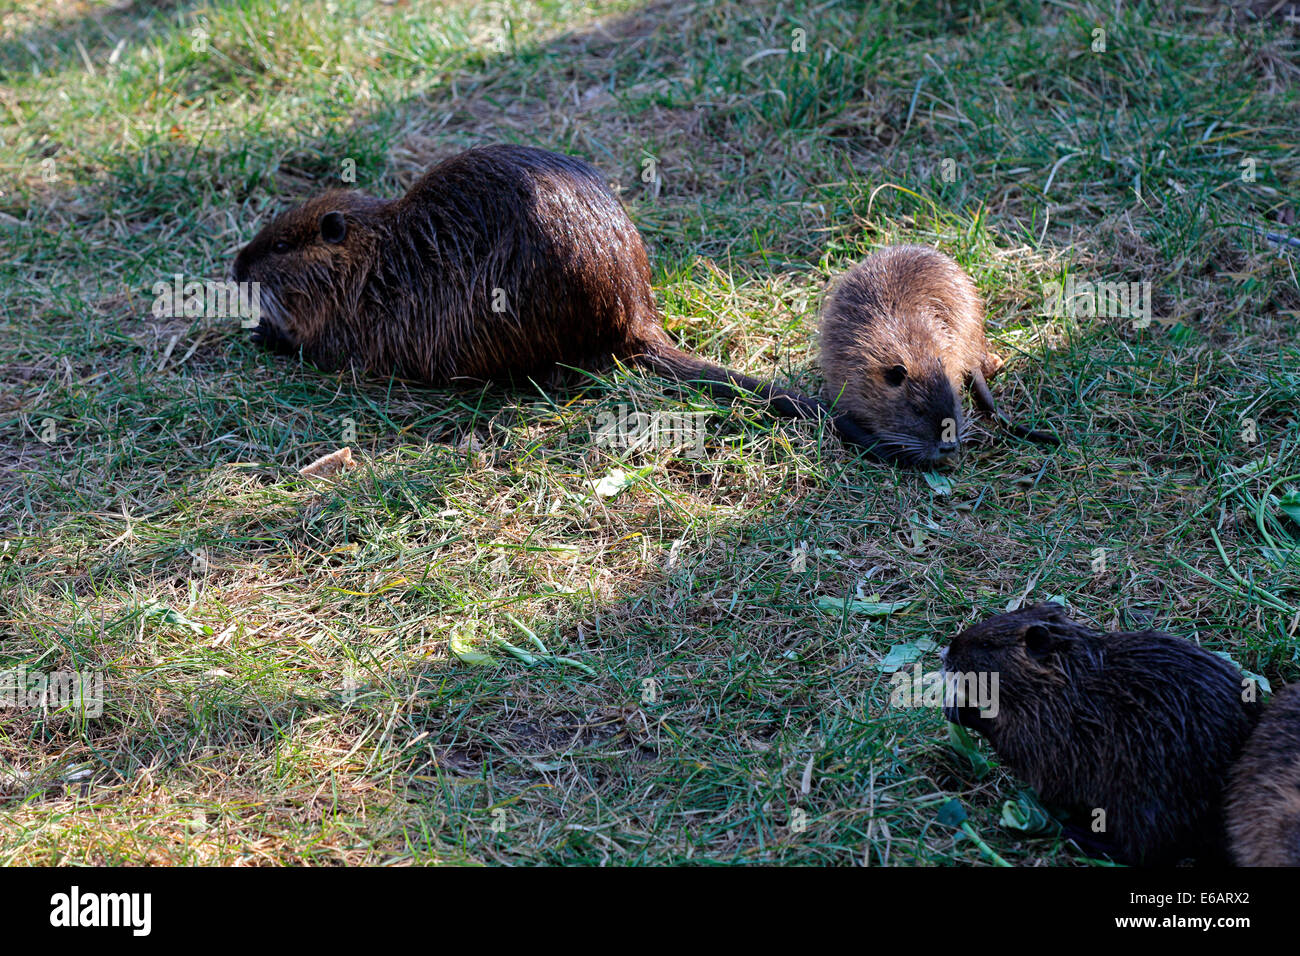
(1036, 646)
(900, 333)
(905, 399)
(311, 264)
(1135, 730)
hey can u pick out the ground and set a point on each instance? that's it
(277, 651)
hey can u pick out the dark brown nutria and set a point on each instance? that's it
(499, 262)
(901, 333)
(1263, 803)
(1141, 725)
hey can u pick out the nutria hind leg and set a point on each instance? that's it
(984, 399)
(991, 365)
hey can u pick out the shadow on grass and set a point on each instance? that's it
(92, 35)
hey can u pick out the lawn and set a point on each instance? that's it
(305, 671)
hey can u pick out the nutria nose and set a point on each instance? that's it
(239, 268)
(946, 447)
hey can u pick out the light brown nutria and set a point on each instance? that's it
(499, 262)
(1140, 725)
(902, 333)
(1263, 804)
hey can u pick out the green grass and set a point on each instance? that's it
(318, 715)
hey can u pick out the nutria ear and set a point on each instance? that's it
(1038, 640)
(1052, 609)
(333, 227)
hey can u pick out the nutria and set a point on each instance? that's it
(499, 262)
(901, 333)
(1263, 803)
(1141, 725)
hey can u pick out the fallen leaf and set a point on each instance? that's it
(952, 813)
(169, 615)
(900, 655)
(873, 608)
(616, 480)
(1027, 815)
(465, 652)
(939, 484)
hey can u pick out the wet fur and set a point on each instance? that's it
(499, 263)
(1263, 803)
(1142, 724)
(914, 308)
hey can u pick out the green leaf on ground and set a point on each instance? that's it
(463, 649)
(872, 608)
(1027, 815)
(900, 655)
(952, 813)
(169, 615)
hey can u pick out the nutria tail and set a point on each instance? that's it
(724, 383)
(984, 399)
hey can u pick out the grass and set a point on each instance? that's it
(302, 705)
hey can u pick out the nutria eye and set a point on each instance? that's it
(280, 246)
(1037, 640)
(895, 375)
(333, 227)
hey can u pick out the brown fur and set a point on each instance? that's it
(1140, 724)
(902, 333)
(1263, 804)
(501, 262)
